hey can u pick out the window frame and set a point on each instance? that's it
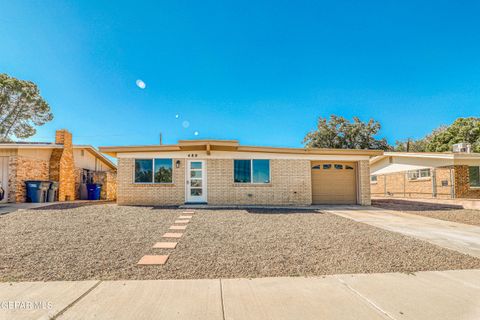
(251, 173)
(419, 174)
(372, 181)
(153, 171)
(469, 182)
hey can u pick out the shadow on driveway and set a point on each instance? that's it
(407, 205)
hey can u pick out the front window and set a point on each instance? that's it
(143, 170)
(153, 170)
(474, 175)
(373, 179)
(251, 171)
(163, 171)
(418, 174)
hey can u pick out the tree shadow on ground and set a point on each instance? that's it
(72, 205)
(407, 205)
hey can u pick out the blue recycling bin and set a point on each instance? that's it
(93, 191)
(37, 190)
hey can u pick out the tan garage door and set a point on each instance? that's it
(334, 182)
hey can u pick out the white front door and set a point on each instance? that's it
(196, 179)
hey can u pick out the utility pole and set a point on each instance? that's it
(160, 138)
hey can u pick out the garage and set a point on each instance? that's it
(334, 182)
(4, 176)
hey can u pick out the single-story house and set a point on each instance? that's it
(446, 175)
(70, 165)
(222, 172)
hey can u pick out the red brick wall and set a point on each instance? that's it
(462, 184)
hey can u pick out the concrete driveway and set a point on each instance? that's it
(451, 235)
(435, 295)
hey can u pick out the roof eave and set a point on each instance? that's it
(97, 153)
(233, 146)
(30, 146)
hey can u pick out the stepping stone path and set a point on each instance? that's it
(162, 259)
(177, 228)
(165, 245)
(148, 260)
(172, 235)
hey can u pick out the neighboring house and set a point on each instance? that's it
(224, 173)
(59, 161)
(446, 175)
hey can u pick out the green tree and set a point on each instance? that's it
(339, 133)
(420, 145)
(461, 130)
(21, 108)
(441, 139)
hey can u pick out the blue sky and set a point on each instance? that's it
(257, 71)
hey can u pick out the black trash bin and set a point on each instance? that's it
(37, 190)
(93, 190)
(52, 195)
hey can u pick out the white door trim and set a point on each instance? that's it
(188, 181)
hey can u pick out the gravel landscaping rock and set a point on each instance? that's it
(466, 216)
(106, 242)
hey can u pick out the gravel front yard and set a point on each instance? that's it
(433, 211)
(106, 241)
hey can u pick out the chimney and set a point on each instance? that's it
(63, 137)
(62, 166)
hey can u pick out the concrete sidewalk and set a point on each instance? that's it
(424, 295)
(451, 235)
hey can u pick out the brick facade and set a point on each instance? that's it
(149, 194)
(397, 184)
(462, 184)
(54, 164)
(22, 169)
(290, 185)
(364, 198)
(62, 166)
(108, 180)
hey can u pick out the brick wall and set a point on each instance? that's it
(444, 190)
(398, 185)
(364, 183)
(78, 180)
(149, 194)
(462, 184)
(290, 184)
(62, 166)
(377, 189)
(22, 169)
(108, 180)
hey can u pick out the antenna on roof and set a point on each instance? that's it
(160, 138)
